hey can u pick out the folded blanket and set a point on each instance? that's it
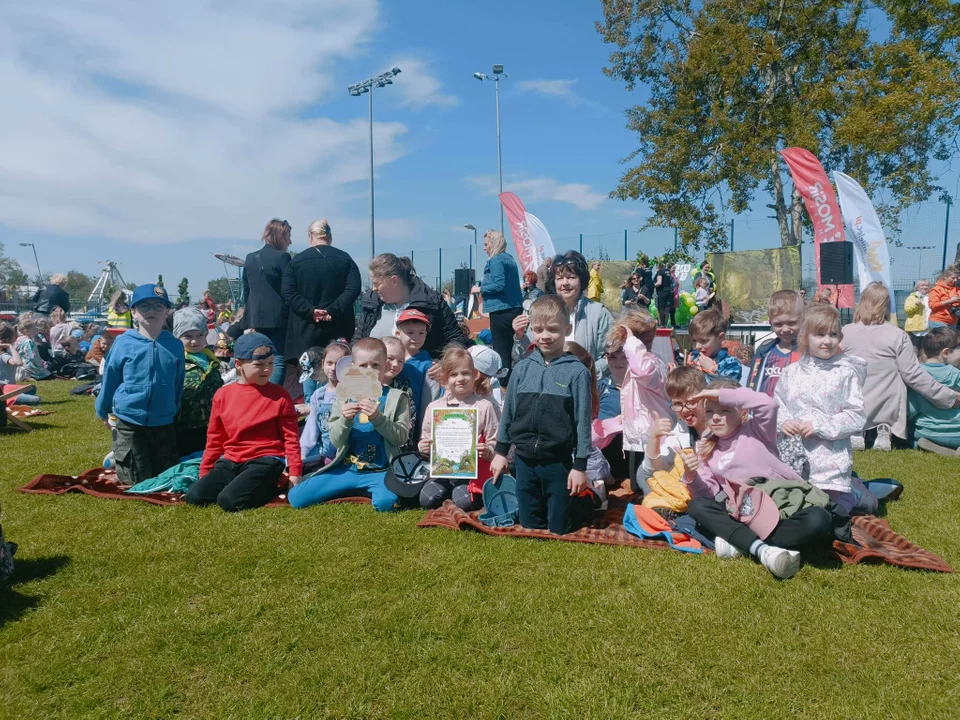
(875, 540)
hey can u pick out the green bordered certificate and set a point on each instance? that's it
(453, 443)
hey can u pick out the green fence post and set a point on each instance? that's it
(581, 243)
(731, 234)
(625, 255)
(946, 231)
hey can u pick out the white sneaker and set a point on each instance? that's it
(725, 550)
(782, 563)
(882, 442)
(858, 442)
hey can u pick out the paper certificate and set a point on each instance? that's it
(453, 443)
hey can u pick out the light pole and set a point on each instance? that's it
(470, 226)
(497, 74)
(358, 89)
(920, 249)
(39, 274)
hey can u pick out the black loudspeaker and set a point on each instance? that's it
(463, 279)
(836, 263)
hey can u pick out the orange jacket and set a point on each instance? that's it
(938, 294)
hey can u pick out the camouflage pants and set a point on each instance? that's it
(141, 452)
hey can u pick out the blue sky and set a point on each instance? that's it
(157, 134)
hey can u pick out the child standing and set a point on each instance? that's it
(708, 330)
(142, 387)
(316, 448)
(785, 313)
(459, 379)
(742, 446)
(821, 401)
(412, 328)
(252, 427)
(367, 435)
(938, 429)
(702, 294)
(546, 416)
(201, 381)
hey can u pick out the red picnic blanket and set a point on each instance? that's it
(875, 540)
(103, 484)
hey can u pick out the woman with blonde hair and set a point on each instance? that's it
(502, 296)
(892, 367)
(52, 296)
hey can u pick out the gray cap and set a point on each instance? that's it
(187, 319)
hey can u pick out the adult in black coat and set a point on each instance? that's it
(320, 285)
(396, 287)
(53, 295)
(266, 310)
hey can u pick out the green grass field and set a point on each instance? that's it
(123, 609)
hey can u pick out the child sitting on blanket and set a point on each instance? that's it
(821, 407)
(459, 380)
(99, 348)
(10, 362)
(937, 429)
(599, 477)
(742, 445)
(546, 416)
(142, 386)
(33, 366)
(201, 381)
(367, 435)
(253, 426)
(489, 368)
(316, 447)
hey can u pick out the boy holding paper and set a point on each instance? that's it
(366, 433)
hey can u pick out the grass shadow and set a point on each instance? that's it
(14, 604)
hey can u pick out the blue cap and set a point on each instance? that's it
(150, 292)
(245, 345)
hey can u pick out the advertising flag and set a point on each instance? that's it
(530, 237)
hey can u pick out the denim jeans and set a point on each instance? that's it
(279, 370)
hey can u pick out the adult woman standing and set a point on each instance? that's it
(664, 287)
(502, 298)
(266, 310)
(53, 295)
(590, 320)
(892, 367)
(320, 285)
(917, 309)
(632, 292)
(944, 299)
(395, 287)
(705, 270)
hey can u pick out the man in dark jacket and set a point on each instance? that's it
(266, 310)
(53, 295)
(320, 285)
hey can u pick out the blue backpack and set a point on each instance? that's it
(500, 505)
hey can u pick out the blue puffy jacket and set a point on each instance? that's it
(143, 379)
(501, 284)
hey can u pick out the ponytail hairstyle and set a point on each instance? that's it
(631, 321)
(387, 264)
(581, 354)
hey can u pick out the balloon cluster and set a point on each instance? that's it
(687, 309)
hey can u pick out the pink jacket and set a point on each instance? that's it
(642, 393)
(751, 452)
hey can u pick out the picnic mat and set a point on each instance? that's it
(22, 412)
(103, 484)
(876, 541)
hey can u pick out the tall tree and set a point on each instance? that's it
(872, 89)
(183, 292)
(11, 274)
(79, 285)
(220, 290)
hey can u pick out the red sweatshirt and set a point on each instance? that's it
(249, 422)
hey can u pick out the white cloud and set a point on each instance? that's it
(418, 87)
(552, 88)
(173, 121)
(542, 189)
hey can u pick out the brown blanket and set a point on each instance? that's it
(876, 541)
(103, 484)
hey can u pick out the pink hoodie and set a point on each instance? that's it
(644, 391)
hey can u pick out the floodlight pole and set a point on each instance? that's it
(495, 76)
(40, 274)
(358, 89)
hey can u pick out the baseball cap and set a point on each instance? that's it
(243, 348)
(149, 292)
(413, 314)
(487, 361)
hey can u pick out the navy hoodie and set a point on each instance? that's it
(143, 379)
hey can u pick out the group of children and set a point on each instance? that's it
(758, 454)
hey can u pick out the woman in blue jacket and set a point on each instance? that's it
(502, 297)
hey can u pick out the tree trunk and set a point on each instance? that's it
(796, 217)
(779, 206)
